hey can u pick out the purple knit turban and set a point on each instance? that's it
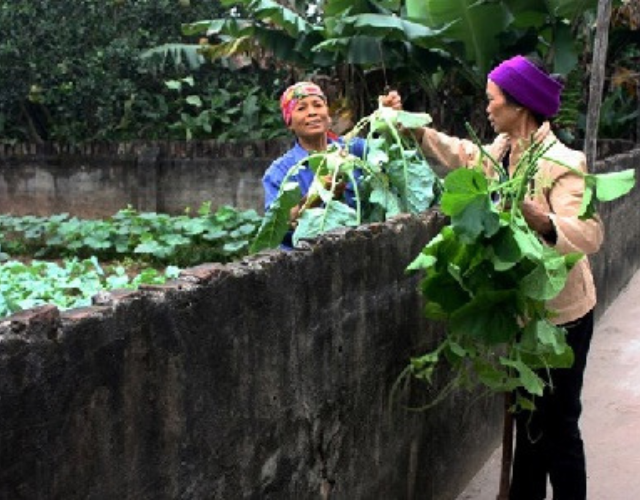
(529, 85)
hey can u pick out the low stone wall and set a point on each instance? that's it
(99, 179)
(266, 378)
(619, 256)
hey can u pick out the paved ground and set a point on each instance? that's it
(611, 415)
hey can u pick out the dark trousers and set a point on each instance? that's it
(548, 440)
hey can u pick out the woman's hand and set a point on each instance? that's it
(391, 100)
(338, 188)
(538, 219)
(394, 100)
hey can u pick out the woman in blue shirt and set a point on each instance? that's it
(306, 113)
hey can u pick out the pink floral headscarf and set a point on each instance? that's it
(294, 93)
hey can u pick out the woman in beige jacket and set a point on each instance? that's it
(521, 99)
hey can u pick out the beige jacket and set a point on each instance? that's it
(557, 189)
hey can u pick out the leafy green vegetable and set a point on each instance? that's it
(156, 238)
(68, 285)
(605, 187)
(392, 178)
(488, 277)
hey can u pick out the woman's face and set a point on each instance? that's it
(310, 117)
(502, 115)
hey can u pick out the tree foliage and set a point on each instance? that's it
(72, 72)
(438, 52)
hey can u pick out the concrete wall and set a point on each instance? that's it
(99, 179)
(619, 257)
(266, 378)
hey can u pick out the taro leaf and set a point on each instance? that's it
(505, 250)
(315, 221)
(376, 153)
(551, 335)
(385, 199)
(377, 157)
(488, 317)
(422, 261)
(530, 381)
(444, 290)
(276, 221)
(547, 279)
(605, 187)
(466, 199)
(588, 206)
(412, 120)
(420, 190)
(414, 181)
(614, 185)
(529, 244)
(492, 377)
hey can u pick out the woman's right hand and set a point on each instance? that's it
(391, 100)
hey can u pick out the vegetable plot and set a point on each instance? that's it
(392, 178)
(70, 284)
(488, 276)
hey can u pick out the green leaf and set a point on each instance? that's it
(467, 200)
(491, 376)
(276, 221)
(462, 186)
(414, 182)
(570, 9)
(411, 120)
(315, 221)
(476, 24)
(547, 279)
(387, 27)
(275, 13)
(422, 261)
(445, 291)
(194, 100)
(489, 317)
(505, 250)
(386, 199)
(529, 379)
(614, 185)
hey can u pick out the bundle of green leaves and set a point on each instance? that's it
(488, 277)
(393, 177)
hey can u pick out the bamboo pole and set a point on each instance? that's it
(596, 82)
(507, 449)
